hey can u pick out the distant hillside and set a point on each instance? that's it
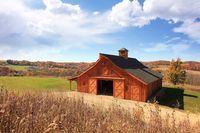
(40, 68)
(189, 65)
(160, 62)
(64, 69)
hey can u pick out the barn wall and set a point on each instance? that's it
(131, 88)
(153, 87)
(134, 89)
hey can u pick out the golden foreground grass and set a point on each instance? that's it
(104, 102)
(71, 112)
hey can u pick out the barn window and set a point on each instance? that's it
(111, 72)
(83, 82)
(126, 88)
(103, 63)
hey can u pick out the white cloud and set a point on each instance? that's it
(180, 47)
(127, 13)
(95, 13)
(158, 48)
(178, 10)
(185, 11)
(173, 39)
(161, 47)
(175, 45)
(60, 26)
(190, 28)
(57, 6)
(132, 13)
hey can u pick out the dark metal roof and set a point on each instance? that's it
(134, 67)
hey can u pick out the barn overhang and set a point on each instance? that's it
(107, 78)
(72, 78)
(70, 81)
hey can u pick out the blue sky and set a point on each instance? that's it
(78, 30)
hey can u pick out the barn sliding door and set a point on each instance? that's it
(93, 86)
(119, 88)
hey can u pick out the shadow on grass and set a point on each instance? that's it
(173, 97)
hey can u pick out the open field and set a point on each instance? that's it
(60, 111)
(192, 77)
(184, 99)
(17, 67)
(175, 97)
(36, 84)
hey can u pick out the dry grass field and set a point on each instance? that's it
(50, 113)
(54, 109)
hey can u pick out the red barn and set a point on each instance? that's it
(119, 76)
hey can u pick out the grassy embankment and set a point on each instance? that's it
(35, 84)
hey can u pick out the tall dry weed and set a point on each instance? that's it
(37, 113)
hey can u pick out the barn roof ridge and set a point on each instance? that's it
(116, 56)
(134, 67)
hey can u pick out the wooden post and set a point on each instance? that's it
(70, 85)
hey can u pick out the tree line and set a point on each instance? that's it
(42, 68)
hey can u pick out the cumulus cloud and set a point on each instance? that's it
(57, 6)
(190, 28)
(179, 10)
(129, 13)
(59, 26)
(132, 13)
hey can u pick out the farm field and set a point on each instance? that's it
(62, 105)
(184, 99)
(17, 67)
(175, 97)
(191, 101)
(35, 84)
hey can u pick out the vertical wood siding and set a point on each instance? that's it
(118, 88)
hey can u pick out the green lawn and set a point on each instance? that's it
(18, 67)
(192, 101)
(27, 84)
(181, 98)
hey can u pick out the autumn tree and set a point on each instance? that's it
(175, 73)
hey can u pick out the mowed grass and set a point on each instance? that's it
(187, 100)
(18, 67)
(36, 84)
(192, 101)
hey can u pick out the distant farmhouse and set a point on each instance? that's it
(119, 76)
